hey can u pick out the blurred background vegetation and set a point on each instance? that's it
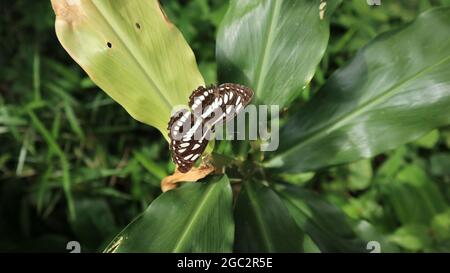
(75, 166)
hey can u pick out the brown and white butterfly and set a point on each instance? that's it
(190, 130)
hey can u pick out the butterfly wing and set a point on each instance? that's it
(189, 131)
(201, 98)
(230, 99)
(187, 139)
(235, 95)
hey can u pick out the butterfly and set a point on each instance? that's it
(190, 130)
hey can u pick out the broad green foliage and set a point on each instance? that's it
(429, 140)
(94, 221)
(412, 237)
(325, 224)
(412, 188)
(263, 223)
(272, 46)
(440, 164)
(440, 226)
(133, 52)
(194, 218)
(396, 89)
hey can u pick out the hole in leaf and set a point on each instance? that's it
(138, 25)
(109, 45)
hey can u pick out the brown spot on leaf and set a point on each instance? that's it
(67, 10)
(195, 174)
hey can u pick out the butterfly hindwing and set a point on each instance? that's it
(188, 141)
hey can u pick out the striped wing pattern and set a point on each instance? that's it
(189, 131)
(230, 98)
(185, 144)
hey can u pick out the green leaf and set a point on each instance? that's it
(309, 245)
(368, 232)
(395, 90)
(429, 140)
(263, 223)
(272, 46)
(297, 178)
(94, 223)
(395, 161)
(360, 175)
(441, 226)
(194, 218)
(327, 226)
(446, 136)
(411, 237)
(440, 164)
(65, 166)
(412, 188)
(132, 52)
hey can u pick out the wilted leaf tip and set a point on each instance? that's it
(67, 10)
(164, 14)
(322, 9)
(115, 245)
(195, 174)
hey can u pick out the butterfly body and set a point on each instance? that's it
(190, 130)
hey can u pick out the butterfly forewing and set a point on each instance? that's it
(216, 105)
(234, 98)
(200, 98)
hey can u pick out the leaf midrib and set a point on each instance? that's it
(341, 121)
(258, 215)
(130, 52)
(262, 70)
(190, 225)
(311, 219)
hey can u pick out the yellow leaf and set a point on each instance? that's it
(133, 52)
